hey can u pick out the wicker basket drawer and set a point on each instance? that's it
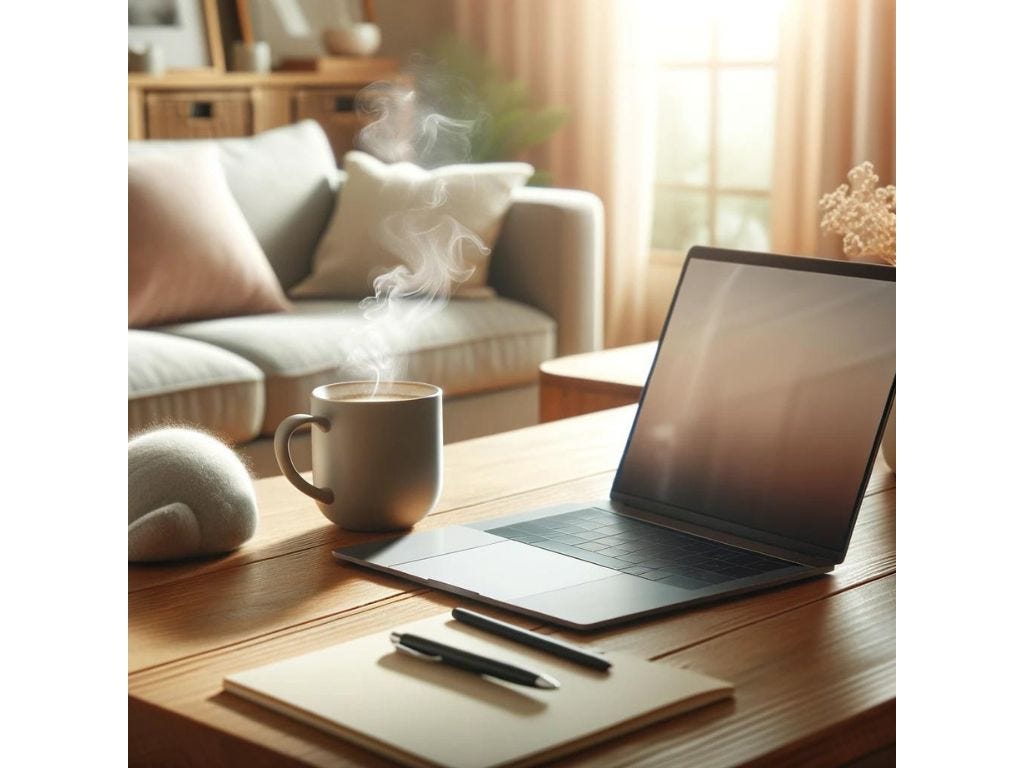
(198, 114)
(335, 110)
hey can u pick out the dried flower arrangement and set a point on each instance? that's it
(863, 214)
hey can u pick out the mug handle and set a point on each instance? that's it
(282, 437)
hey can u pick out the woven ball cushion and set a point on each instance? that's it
(188, 495)
(441, 224)
(191, 253)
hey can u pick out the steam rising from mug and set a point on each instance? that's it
(427, 245)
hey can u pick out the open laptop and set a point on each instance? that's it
(745, 467)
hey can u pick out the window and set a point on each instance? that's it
(716, 119)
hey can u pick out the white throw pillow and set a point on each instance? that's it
(440, 224)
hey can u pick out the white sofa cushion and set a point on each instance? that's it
(284, 181)
(180, 381)
(468, 347)
(439, 224)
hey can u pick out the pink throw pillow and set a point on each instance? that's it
(191, 253)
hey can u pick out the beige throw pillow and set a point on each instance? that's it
(440, 224)
(191, 253)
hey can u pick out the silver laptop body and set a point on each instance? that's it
(745, 467)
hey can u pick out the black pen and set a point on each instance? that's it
(532, 639)
(431, 650)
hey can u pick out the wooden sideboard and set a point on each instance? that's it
(217, 105)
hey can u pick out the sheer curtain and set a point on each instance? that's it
(836, 109)
(595, 59)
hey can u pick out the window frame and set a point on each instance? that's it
(714, 65)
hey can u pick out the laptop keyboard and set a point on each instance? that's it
(639, 548)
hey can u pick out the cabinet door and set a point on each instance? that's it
(335, 110)
(198, 114)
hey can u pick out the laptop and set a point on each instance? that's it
(745, 467)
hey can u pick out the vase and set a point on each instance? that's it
(146, 58)
(250, 57)
(889, 438)
(359, 39)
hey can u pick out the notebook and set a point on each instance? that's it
(424, 714)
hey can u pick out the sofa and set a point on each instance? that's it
(239, 376)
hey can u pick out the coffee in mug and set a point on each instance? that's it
(377, 453)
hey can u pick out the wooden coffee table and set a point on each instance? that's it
(814, 664)
(594, 381)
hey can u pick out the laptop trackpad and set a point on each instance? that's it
(506, 570)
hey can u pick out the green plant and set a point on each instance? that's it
(460, 82)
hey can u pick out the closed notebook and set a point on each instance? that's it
(429, 714)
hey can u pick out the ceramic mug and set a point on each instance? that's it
(377, 455)
(250, 57)
(146, 58)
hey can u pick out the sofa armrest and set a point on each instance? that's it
(550, 255)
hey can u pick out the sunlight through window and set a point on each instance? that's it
(715, 131)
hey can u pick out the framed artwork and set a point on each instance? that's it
(187, 31)
(294, 28)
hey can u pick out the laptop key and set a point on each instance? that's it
(613, 551)
(566, 538)
(637, 570)
(700, 562)
(632, 557)
(658, 564)
(633, 545)
(573, 529)
(592, 557)
(678, 569)
(662, 550)
(612, 540)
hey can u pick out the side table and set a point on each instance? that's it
(594, 381)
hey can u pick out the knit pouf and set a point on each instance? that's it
(188, 495)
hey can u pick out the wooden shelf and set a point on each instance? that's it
(360, 71)
(270, 100)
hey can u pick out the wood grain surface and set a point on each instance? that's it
(594, 381)
(813, 663)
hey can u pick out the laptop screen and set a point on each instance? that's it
(762, 412)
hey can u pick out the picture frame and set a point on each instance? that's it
(294, 29)
(187, 32)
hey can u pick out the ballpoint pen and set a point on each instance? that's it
(431, 650)
(532, 639)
